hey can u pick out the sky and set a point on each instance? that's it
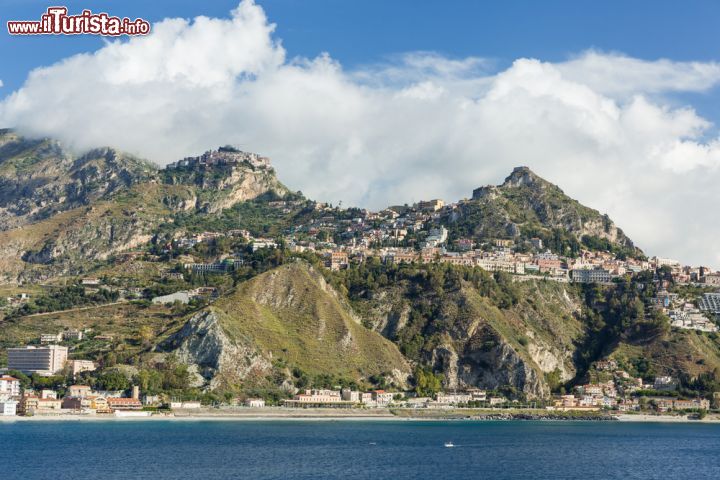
(375, 103)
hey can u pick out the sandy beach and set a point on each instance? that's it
(319, 414)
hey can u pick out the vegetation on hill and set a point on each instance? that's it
(526, 206)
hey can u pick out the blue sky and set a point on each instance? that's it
(357, 32)
(615, 101)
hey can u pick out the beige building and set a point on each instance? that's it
(79, 366)
(124, 404)
(79, 391)
(336, 260)
(46, 360)
(34, 405)
(255, 403)
(431, 205)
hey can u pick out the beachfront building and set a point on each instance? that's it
(9, 386)
(46, 361)
(452, 398)
(79, 391)
(35, 405)
(8, 408)
(382, 398)
(124, 404)
(318, 398)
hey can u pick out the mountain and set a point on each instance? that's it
(38, 178)
(286, 322)
(526, 206)
(480, 332)
(281, 320)
(60, 214)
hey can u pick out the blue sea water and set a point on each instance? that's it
(357, 450)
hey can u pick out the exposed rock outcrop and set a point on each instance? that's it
(214, 359)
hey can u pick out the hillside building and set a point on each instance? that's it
(45, 361)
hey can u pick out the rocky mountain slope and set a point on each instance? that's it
(476, 330)
(59, 214)
(297, 325)
(525, 206)
(38, 178)
(286, 322)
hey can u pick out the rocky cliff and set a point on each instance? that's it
(464, 335)
(60, 213)
(288, 322)
(39, 178)
(525, 205)
(214, 359)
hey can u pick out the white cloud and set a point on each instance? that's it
(410, 127)
(617, 74)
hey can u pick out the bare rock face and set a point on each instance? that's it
(38, 178)
(60, 212)
(488, 364)
(524, 198)
(501, 365)
(214, 359)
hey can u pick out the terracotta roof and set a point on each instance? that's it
(123, 400)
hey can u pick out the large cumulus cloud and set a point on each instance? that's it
(604, 126)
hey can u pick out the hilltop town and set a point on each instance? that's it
(213, 300)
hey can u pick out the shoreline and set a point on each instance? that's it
(332, 415)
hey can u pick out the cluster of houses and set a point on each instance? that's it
(686, 314)
(622, 392)
(618, 394)
(51, 359)
(16, 300)
(349, 398)
(222, 156)
(79, 399)
(379, 234)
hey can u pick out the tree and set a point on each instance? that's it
(112, 380)
(427, 383)
(145, 334)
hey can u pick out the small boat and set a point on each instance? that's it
(449, 444)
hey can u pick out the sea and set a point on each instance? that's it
(378, 450)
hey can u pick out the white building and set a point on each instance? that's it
(590, 275)
(48, 338)
(182, 297)
(71, 335)
(382, 398)
(8, 408)
(255, 403)
(710, 302)
(9, 386)
(665, 383)
(263, 243)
